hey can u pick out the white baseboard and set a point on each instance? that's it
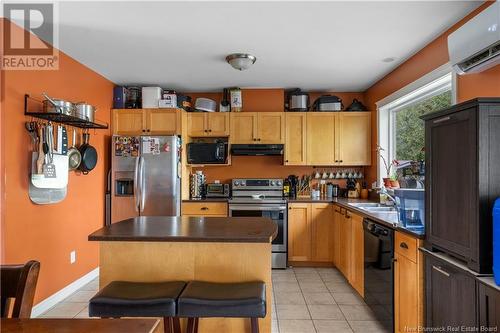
(53, 299)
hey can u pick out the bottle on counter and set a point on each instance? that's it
(286, 188)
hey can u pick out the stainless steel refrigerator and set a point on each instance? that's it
(145, 176)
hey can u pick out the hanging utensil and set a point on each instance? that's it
(74, 156)
(41, 154)
(89, 155)
(49, 169)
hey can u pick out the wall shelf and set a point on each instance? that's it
(60, 118)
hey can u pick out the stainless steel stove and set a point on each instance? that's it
(263, 198)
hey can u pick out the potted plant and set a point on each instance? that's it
(388, 167)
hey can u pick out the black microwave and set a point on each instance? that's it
(207, 153)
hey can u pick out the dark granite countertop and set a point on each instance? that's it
(207, 200)
(189, 229)
(386, 219)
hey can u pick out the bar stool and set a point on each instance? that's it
(139, 299)
(208, 299)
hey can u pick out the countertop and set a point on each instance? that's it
(207, 200)
(189, 229)
(386, 219)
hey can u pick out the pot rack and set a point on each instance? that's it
(58, 117)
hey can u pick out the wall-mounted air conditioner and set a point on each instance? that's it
(475, 46)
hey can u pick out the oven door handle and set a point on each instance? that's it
(262, 208)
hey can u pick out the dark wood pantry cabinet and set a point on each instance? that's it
(462, 145)
(450, 295)
(488, 299)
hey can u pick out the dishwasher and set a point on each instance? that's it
(379, 271)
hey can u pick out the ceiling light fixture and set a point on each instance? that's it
(241, 61)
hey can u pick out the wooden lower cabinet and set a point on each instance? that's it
(344, 240)
(488, 300)
(357, 269)
(214, 209)
(299, 232)
(322, 225)
(450, 294)
(310, 236)
(408, 284)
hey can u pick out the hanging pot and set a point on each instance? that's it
(89, 155)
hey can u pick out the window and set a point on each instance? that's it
(408, 134)
(401, 131)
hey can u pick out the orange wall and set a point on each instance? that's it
(435, 54)
(48, 233)
(261, 100)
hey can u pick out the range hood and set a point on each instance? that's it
(257, 150)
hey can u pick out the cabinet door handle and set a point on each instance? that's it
(204, 208)
(258, 139)
(336, 161)
(440, 120)
(403, 245)
(210, 130)
(286, 161)
(341, 161)
(440, 270)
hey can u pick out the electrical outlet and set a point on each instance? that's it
(72, 257)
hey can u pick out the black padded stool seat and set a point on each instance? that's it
(209, 299)
(136, 299)
(139, 299)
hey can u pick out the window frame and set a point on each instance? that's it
(434, 83)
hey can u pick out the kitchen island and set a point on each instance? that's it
(168, 248)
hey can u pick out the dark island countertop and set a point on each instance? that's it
(189, 229)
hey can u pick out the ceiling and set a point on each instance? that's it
(336, 46)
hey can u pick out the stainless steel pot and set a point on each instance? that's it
(51, 105)
(84, 111)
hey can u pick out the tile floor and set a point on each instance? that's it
(304, 300)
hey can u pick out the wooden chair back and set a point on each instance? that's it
(18, 282)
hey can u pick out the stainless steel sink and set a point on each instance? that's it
(381, 209)
(373, 207)
(364, 204)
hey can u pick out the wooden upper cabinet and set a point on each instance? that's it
(356, 277)
(128, 122)
(146, 121)
(321, 227)
(243, 127)
(163, 121)
(196, 124)
(295, 138)
(299, 232)
(218, 123)
(270, 127)
(321, 138)
(353, 144)
(208, 124)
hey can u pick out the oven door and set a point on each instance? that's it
(277, 213)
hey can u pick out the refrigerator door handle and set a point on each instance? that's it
(142, 184)
(137, 194)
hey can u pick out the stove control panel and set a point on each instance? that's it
(257, 183)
